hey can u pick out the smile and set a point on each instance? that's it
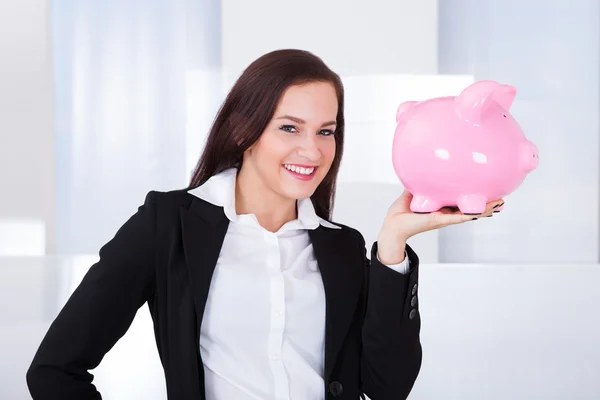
(303, 173)
(299, 170)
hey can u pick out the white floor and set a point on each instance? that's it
(489, 332)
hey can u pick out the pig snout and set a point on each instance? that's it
(529, 157)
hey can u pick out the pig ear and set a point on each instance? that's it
(474, 101)
(505, 95)
(404, 107)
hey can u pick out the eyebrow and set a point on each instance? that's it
(301, 121)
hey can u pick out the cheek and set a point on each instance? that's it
(273, 150)
(328, 151)
(279, 150)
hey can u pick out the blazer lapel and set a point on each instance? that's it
(342, 274)
(203, 231)
(204, 226)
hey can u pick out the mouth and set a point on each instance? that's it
(301, 172)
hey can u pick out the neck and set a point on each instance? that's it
(253, 197)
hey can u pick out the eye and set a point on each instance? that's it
(288, 128)
(326, 132)
(504, 115)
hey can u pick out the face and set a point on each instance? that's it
(296, 150)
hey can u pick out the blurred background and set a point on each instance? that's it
(102, 101)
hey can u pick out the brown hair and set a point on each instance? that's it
(249, 107)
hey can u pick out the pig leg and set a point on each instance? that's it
(471, 204)
(421, 204)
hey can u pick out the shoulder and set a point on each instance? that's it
(350, 233)
(172, 198)
(165, 204)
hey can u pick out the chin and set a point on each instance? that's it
(296, 193)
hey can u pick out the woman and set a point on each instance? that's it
(254, 292)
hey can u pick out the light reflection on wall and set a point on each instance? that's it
(22, 237)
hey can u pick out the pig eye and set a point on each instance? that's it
(504, 115)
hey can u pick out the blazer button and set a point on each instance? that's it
(412, 314)
(414, 289)
(336, 389)
(413, 301)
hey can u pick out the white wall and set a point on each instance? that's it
(353, 37)
(122, 87)
(27, 216)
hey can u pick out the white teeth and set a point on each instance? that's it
(299, 170)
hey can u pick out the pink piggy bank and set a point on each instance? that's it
(462, 151)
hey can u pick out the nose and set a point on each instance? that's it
(310, 149)
(529, 157)
(535, 156)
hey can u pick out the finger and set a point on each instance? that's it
(452, 215)
(487, 213)
(406, 193)
(452, 218)
(491, 206)
(498, 204)
(457, 217)
(471, 217)
(404, 199)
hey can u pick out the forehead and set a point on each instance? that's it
(315, 100)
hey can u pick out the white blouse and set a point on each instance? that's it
(263, 329)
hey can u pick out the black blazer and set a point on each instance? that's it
(165, 255)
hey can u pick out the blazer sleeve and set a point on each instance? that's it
(98, 313)
(391, 346)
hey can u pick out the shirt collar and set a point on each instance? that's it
(220, 191)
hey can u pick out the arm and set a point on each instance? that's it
(98, 313)
(391, 347)
(403, 267)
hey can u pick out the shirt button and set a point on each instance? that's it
(279, 313)
(275, 357)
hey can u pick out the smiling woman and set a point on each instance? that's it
(293, 154)
(283, 116)
(254, 292)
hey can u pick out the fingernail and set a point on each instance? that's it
(487, 216)
(498, 205)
